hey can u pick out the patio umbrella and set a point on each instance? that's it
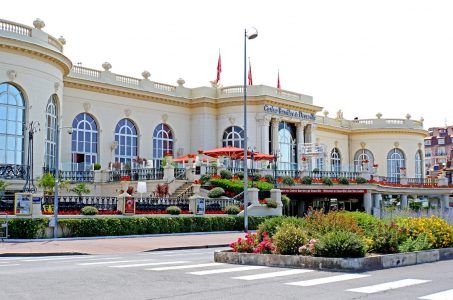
(231, 152)
(257, 156)
(185, 158)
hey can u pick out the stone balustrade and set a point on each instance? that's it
(370, 123)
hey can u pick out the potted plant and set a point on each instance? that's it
(3, 186)
(81, 189)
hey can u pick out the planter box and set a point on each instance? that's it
(377, 262)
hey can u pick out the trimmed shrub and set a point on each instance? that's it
(262, 186)
(173, 210)
(269, 178)
(285, 200)
(271, 203)
(343, 180)
(255, 177)
(327, 181)
(226, 174)
(340, 244)
(240, 175)
(288, 180)
(306, 180)
(361, 180)
(216, 192)
(19, 228)
(205, 178)
(289, 238)
(89, 211)
(232, 210)
(97, 166)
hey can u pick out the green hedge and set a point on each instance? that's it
(237, 186)
(153, 225)
(19, 228)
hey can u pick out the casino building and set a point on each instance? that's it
(116, 118)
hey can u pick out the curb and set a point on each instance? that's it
(187, 247)
(117, 237)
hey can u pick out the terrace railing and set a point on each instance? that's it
(159, 205)
(11, 171)
(68, 204)
(220, 204)
(73, 176)
(136, 174)
(333, 174)
(180, 173)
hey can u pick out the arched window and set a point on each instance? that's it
(233, 136)
(163, 141)
(418, 164)
(127, 141)
(395, 163)
(84, 142)
(51, 134)
(363, 160)
(287, 146)
(12, 119)
(335, 160)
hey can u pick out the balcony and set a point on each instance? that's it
(370, 123)
(14, 172)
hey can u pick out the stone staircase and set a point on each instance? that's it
(186, 188)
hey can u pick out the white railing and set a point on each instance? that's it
(165, 87)
(54, 42)
(239, 89)
(394, 121)
(288, 94)
(86, 71)
(127, 79)
(15, 28)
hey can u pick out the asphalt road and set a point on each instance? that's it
(192, 274)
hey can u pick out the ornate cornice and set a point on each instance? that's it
(36, 51)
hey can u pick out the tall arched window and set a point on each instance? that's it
(363, 160)
(127, 141)
(287, 146)
(12, 119)
(84, 142)
(418, 164)
(162, 141)
(51, 134)
(395, 163)
(335, 160)
(233, 136)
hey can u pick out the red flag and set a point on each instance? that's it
(278, 81)
(219, 69)
(250, 74)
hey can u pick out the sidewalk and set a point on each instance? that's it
(118, 245)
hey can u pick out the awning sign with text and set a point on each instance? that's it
(324, 191)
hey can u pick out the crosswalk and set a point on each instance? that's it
(188, 264)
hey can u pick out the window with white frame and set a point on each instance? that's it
(127, 140)
(233, 136)
(163, 141)
(51, 134)
(427, 142)
(335, 160)
(12, 120)
(84, 146)
(418, 164)
(287, 146)
(441, 141)
(396, 164)
(441, 151)
(363, 160)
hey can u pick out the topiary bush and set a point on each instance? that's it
(216, 192)
(255, 177)
(239, 175)
(327, 181)
(226, 174)
(173, 210)
(340, 244)
(97, 166)
(269, 178)
(289, 238)
(205, 178)
(288, 180)
(271, 203)
(232, 210)
(306, 180)
(343, 180)
(89, 211)
(361, 180)
(285, 200)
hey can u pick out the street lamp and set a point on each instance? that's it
(57, 178)
(247, 36)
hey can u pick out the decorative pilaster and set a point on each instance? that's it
(275, 139)
(300, 143)
(263, 134)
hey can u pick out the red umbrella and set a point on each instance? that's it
(259, 156)
(185, 158)
(231, 152)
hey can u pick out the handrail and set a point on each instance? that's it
(15, 27)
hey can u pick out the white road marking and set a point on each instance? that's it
(273, 274)
(185, 267)
(388, 286)
(113, 262)
(151, 264)
(445, 295)
(325, 280)
(9, 265)
(52, 258)
(228, 270)
(186, 254)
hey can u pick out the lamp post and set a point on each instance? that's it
(29, 185)
(247, 36)
(57, 178)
